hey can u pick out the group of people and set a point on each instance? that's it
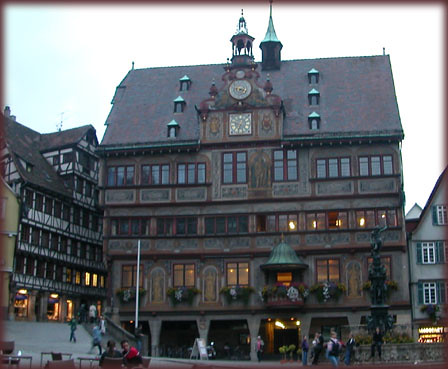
(333, 347)
(131, 356)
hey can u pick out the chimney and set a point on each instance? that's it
(7, 112)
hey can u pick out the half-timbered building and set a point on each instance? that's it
(253, 188)
(58, 260)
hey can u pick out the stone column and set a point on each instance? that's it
(203, 325)
(305, 324)
(12, 297)
(32, 305)
(155, 326)
(63, 308)
(254, 327)
(43, 307)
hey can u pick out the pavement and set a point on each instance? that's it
(32, 338)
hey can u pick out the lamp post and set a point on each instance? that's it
(137, 285)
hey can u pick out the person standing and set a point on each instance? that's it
(333, 349)
(92, 313)
(102, 324)
(349, 348)
(305, 348)
(96, 339)
(259, 346)
(377, 341)
(318, 347)
(72, 324)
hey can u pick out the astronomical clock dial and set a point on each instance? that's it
(240, 89)
(240, 124)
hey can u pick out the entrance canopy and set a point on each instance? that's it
(283, 257)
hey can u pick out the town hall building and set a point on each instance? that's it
(252, 188)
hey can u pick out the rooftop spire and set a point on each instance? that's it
(242, 26)
(270, 33)
(271, 46)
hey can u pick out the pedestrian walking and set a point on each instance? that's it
(111, 352)
(377, 341)
(96, 341)
(305, 348)
(349, 348)
(72, 324)
(317, 347)
(259, 346)
(333, 349)
(92, 313)
(102, 324)
(131, 356)
(83, 312)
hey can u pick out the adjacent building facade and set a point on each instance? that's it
(427, 259)
(58, 259)
(253, 189)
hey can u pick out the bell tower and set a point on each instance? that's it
(242, 45)
(271, 47)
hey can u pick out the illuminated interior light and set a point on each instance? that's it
(54, 295)
(362, 222)
(23, 291)
(292, 225)
(298, 322)
(279, 324)
(314, 224)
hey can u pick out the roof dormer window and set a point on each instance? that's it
(313, 76)
(173, 128)
(179, 104)
(314, 121)
(313, 97)
(185, 83)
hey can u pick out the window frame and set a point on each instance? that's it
(184, 270)
(113, 175)
(431, 289)
(286, 164)
(226, 224)
(133, 275)
(328, 273)
(238, 265)
(163, 173)
(325, 163)
(366, 168)
(198, 167)
(235, 170)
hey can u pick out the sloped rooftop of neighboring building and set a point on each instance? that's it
(357, 98)
(26, 146)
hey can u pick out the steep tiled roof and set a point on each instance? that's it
(357, 98)
(25, 144)
(64, 138)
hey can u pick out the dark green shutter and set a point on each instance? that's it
(420, 293)
(440, 258)
(434, 215)
(419, 253)
(440, 292)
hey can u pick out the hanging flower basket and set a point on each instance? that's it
(128, 294)
(237, 293)
(178, 295)
(328, 290)
(431, 310)
(294, 292)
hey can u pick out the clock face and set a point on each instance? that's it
(240, 124)
(240, 89)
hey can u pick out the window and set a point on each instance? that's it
(377, 217)
(48, 205)
(179, 105)
(315, 221)
(39, 202)
(67, 157)
(313, 76)
(156, 174)
(313, 97)
(77, 277)
(314, 121)
(87, 278)
(68, 275)
(165, 226)
(76, 215)
(285, 278)
(285, 165)
(183, 275)
(375, 165)
(191, 173)
(57, 209)
(334, 167)
(433, 252)
(429, 293)
(56, 159)
(439, 215)
(226, 224)
(172, 132)
(235, 167)
(238, 274)
(327, 270)
(120, 176)
(428, 252)
(29, 199)
(129, 226)
(66, 212)
(129, 276)
(185, 83)
(276, 223)
(186, 226)
(79, 184)
(337, 220)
